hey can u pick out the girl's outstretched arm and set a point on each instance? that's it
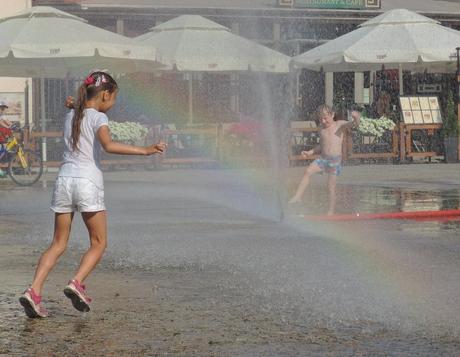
(114, 147)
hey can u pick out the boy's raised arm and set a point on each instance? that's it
(354, 123)
(356, 118)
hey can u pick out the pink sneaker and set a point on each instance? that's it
(76, 292)
(32, 304)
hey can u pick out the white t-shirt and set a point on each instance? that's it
(85, 161)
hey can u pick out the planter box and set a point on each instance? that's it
(451, 149)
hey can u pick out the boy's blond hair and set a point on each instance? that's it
(328, 109)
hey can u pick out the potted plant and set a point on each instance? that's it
(450, 131)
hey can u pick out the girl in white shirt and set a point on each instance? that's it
(80, 187)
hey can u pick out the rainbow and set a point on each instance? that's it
(160, 98)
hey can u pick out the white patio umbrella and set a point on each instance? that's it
(192, 43)
(44, 42)
(397, 38)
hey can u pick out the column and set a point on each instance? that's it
(329, 88)
(359, 87)
(371, 86)
(401, 80)
(276, 36)
(236, 28)
(234, 79)
(120, 26)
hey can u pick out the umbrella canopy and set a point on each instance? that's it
(46, 42)
(192, 43)
(397, 37)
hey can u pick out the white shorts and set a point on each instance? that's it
(76, 194)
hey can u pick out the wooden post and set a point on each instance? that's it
(402, 144)
(458, 116)
(395, 143)
(458, 101)
(346, 139)
(408, 142)
(458, 138)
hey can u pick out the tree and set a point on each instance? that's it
(450, 122)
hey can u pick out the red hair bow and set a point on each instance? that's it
(89, 80)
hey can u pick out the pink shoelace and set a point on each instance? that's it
(81, 288)
(37, 299)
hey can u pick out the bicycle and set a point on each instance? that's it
(25, 166)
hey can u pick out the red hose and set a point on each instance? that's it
(414, 215)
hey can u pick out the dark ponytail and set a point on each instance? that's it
(95, 83)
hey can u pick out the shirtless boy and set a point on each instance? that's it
(330, 149)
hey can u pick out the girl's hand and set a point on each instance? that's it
(69, 102)
(158, 148)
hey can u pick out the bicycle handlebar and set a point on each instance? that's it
(17, 127)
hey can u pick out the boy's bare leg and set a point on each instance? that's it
(311, 169)
(96, 223)
(331, 188)
(62, 224)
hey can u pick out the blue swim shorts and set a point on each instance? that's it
(332, 165)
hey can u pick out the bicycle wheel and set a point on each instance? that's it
(28, 172)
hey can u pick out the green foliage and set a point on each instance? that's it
(450, 124)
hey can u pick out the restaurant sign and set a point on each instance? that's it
(331, 4)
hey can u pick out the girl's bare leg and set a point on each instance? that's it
(96, 223)
(311, 169)
(62, 224)
(331, 187)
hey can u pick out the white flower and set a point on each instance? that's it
(128, 132)
(375, 127)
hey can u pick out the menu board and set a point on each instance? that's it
(418, 118)
(424, 103)
(408, 117)
(420, 110)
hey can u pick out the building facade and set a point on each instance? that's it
(290, 26)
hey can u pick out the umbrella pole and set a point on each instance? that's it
(190, 99)
(42, 114)
(26, 105)
(401, 83)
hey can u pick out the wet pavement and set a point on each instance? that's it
(239, 282)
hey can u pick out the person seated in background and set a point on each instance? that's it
(5, 131)
(5, 124)
(5, 127)
(382, 106)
